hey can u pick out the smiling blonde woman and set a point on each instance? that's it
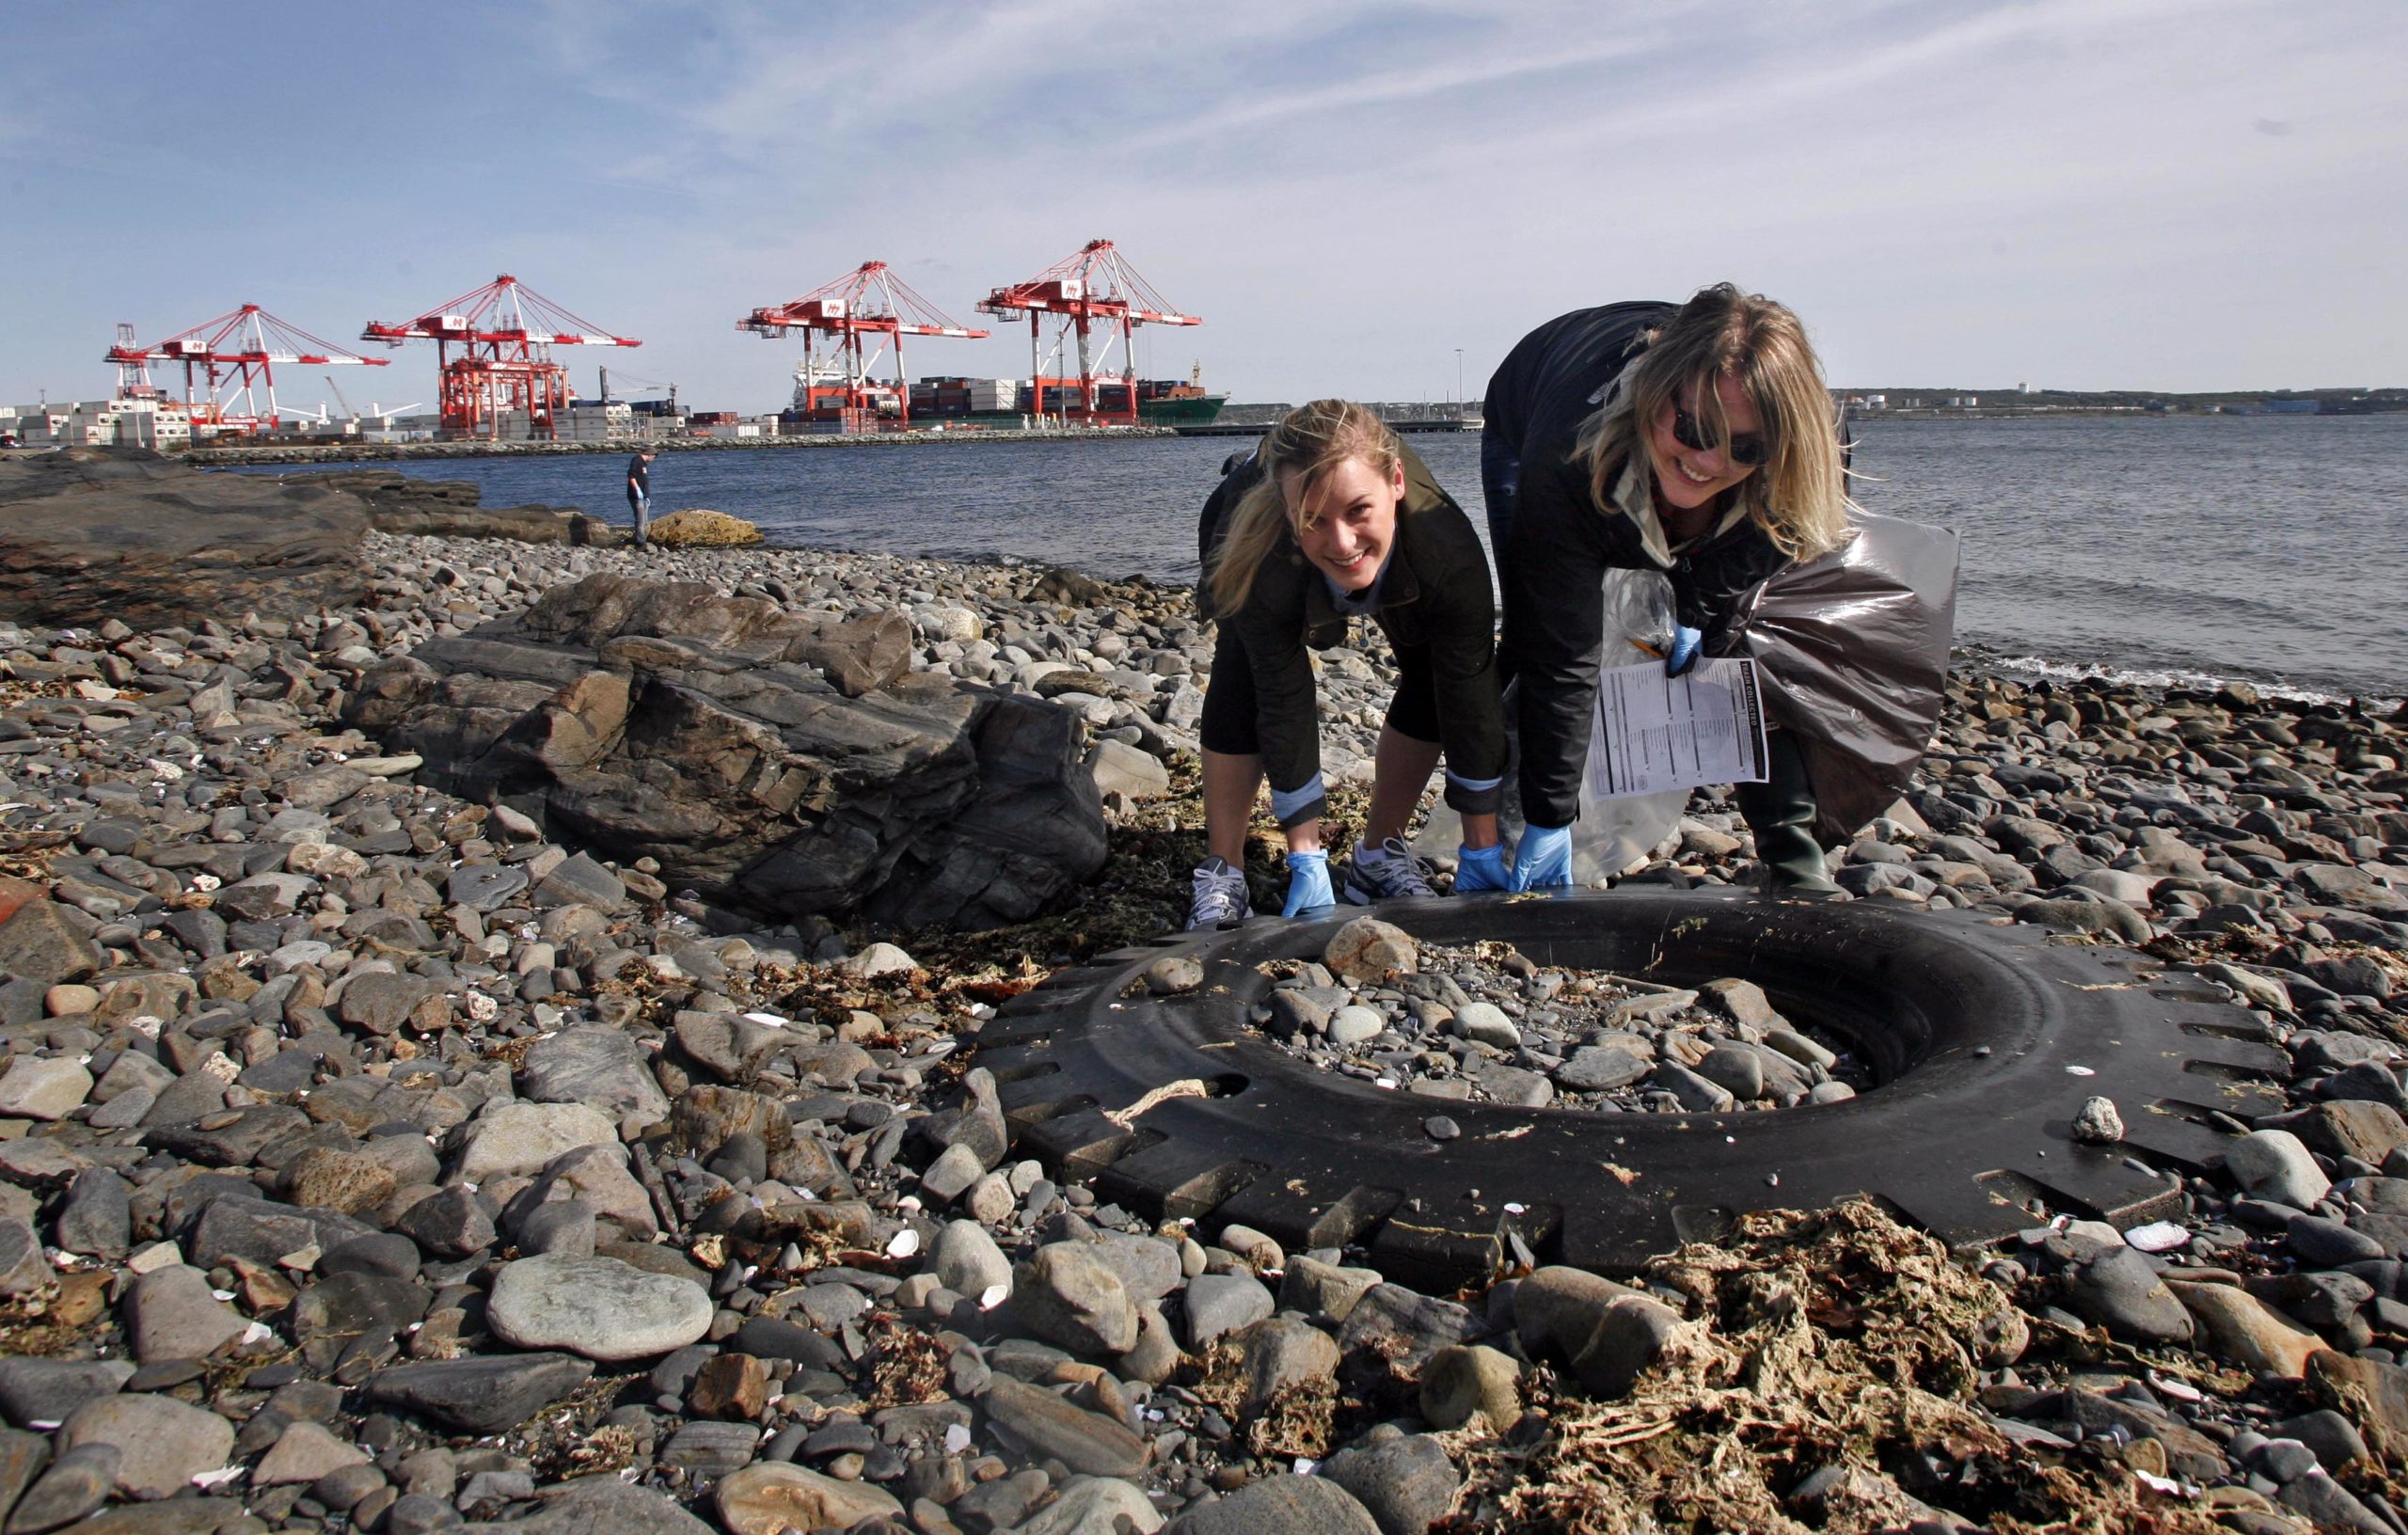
(1330, 518)
(1697, 440)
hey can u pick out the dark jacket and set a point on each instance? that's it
(1554, 545)
(1433, 594)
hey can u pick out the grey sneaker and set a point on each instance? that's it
(1395, 877)
(1220, 899)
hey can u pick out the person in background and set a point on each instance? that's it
(1331, 518)
(640, 492)
(1697, 440)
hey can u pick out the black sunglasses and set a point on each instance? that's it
(1746, 449)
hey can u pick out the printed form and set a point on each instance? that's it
(1652, 733)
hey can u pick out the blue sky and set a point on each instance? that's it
(2167, 194)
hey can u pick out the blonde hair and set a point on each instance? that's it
(1799, 496)
(1309, 442)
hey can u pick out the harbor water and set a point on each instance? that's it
(2170, 549)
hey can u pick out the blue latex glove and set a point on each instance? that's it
(1481, 868)
(1544, 859)
(1683, 651)
(1308, 891)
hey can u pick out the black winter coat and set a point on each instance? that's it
(1435, 594)
(1554, 545)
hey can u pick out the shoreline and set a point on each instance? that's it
(764, 1258)
(385, 452)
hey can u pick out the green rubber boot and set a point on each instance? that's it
(1781, 813)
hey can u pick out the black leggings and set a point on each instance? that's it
(1228, 725)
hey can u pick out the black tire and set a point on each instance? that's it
(1972, 1029)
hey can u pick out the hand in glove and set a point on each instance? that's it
(1308, 891)
(1481, 868)
(1544, 859)
(1683, 653)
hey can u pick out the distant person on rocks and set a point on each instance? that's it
(1331, 518)
(640, 493)
(1695, 440)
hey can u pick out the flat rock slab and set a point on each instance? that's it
(88, 534)
(483, 1395)
(595, 1306)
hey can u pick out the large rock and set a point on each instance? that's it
(407, 503)
(88, 534)
(595, 1306)
(698, 527)
(769, 760)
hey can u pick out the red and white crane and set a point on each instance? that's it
(233, 359)
(869, 301)
(505, 332)
(1093, 288)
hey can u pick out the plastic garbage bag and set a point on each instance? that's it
(1853, 651)
(1610, 834)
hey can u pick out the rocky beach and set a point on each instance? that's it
(493, 1040)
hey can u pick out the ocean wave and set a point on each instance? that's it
(2024, 667)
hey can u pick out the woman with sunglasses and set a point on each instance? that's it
(1331, 518)
(1697, 440)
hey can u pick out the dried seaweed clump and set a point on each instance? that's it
(1822, 1385)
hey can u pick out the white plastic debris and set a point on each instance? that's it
(767, 1020)
(994, 1297)
(2080, 1071)
(2157, 1237)
(957, 1438)
(904, 1242)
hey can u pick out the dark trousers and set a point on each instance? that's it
(1781, 813)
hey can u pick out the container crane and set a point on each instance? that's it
(1091, 288)
(233, 358)
(505, 332)
(869, 301)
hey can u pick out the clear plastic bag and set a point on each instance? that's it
(1610, 834)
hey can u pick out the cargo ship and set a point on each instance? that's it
(1006, 402)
